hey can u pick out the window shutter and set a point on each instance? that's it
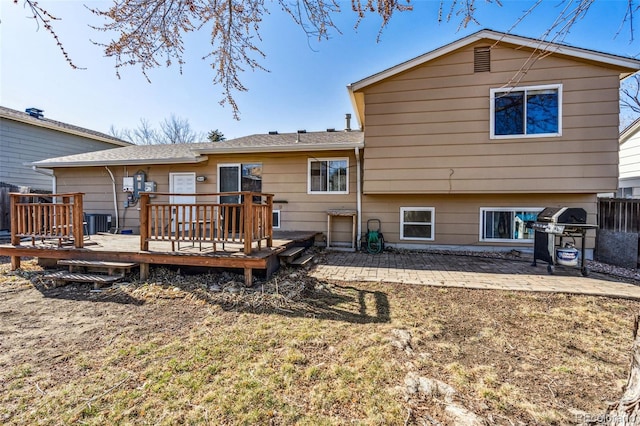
(482, 59)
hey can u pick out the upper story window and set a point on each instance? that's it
(534, 111)
(328, 176)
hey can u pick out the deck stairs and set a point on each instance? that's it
(295, 256)
(85, 271)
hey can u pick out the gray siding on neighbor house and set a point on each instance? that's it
(23, 143)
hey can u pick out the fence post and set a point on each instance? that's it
(144, 221)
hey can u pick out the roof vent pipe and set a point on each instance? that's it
(348, 119)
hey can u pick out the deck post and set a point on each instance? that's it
(15, 239)
(144, 223)
(248, 277)
(269, 220)
(248, 222)
(15, 262)
(78, 220)
(144, 271)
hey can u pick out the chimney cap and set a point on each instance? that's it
(273, 132)
(302, 131)
(35, 112)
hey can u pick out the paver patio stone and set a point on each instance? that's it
(447, 270)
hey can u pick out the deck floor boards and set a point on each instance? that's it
(126, 248)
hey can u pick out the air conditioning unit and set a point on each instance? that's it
(98, 223)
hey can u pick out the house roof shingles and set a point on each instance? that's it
(197, 152)
(23, 117)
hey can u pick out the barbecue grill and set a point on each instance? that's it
(553, 226)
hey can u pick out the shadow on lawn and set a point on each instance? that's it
(305, 297)
(319, 301)
(83, 293)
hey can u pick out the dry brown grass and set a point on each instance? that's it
(169, 351)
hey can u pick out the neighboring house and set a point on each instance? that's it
(629, 182)
(28, 137)
(459, 147)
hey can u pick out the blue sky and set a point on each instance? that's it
(305, 87)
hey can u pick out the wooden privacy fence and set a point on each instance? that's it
(619, 214)
(244, 222)
(60, 219)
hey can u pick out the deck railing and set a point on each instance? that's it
(248, 220)
(60, 219)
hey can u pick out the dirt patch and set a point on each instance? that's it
(196, 348)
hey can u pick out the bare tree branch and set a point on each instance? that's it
(44, 18)
(172, 130)
(150, 33)
(630, 94)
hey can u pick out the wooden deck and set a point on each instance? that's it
(126, 248)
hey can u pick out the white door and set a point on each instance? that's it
(183, 184)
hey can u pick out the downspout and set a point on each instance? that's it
(115, 201)
(358, 198)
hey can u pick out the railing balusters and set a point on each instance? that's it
(47, 220)
(214, 222)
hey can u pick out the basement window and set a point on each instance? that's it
(507, 224)
(417, 223)
(276, 219)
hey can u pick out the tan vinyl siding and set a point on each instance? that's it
(284, 175)
(427, 129)
(458, 216)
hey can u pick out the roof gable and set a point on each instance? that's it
(632, 65)
(625, 65)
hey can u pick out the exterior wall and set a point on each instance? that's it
(427, 129)
(630, 165)
(457, 217)
(283, 174)
(22, 143)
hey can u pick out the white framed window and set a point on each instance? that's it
(507, 224)
(417, 223)
(328, 176)
(276, 219)
(625, 193)
(534, 111)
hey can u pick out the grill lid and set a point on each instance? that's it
(564, 215)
